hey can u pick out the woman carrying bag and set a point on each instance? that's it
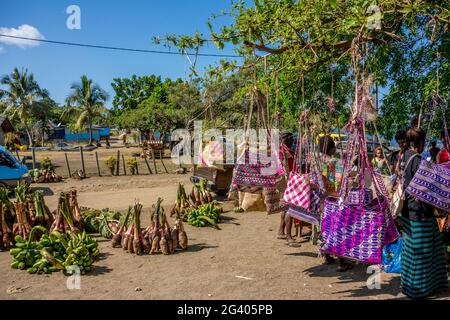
(423, 265)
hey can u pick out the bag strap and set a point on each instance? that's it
(406, 166)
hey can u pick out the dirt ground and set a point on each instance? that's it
(243, 260)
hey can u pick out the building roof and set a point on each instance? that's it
(5, 124)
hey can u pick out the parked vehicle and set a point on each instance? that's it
(11, 170)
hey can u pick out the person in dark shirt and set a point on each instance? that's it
(423, 265)
(396, 155)
(434, 151)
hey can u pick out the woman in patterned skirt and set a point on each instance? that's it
(423, 266)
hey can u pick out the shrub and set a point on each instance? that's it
(111, 164)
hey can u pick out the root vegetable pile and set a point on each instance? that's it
(158, 237)
(54, 251)
(199, 196)
(46, 173)
(68, 216)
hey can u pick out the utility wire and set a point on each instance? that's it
(119, 48)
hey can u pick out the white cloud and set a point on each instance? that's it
(25, 31)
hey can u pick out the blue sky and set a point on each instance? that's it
(112, 23)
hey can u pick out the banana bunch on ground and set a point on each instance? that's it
(54, 251)
(205, 215)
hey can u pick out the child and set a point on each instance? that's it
(380, 163)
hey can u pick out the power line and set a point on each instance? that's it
(119, 48)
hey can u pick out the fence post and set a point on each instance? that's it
(154, 160)
(161, 158)
(67, 163)
(118, 162)
(124, 167)
(137, 166)
(148, 166)
(98, 165)
(33, 155)
(82, 160)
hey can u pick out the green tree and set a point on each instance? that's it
(131, 92)
(21, 96)
(85, 103)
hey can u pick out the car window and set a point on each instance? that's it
(5, 160)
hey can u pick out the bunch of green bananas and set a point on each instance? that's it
(79, 254)
(54, 251)
(26, 253)
(204, 215)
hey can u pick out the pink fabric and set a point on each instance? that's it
(298, 191)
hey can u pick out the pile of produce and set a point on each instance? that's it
(6, 211)
(68, 216)
(28, 210)
(159, 236)
(54, 251)
(199, 196)
(104, 221)
(205, 215)
(46, 173)
(22, 205)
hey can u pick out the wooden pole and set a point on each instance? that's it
(154, 160)
(124, 166)
(148, 166)
(82, 160)
(33, 155)
(17, 155)
(68, 166)
(161, 158)
(98, 165)
(137, 166)
(118, 162)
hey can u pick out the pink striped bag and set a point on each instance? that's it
(298, 191)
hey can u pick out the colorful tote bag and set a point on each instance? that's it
(298, 191)
(304, 215)
(359, 231)
(431, 184)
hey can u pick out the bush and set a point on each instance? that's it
(111, 164)
(46, 164)
(132, 165)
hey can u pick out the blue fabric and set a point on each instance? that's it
(391, 259)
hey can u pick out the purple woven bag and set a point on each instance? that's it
(359, 231)
(431, 184)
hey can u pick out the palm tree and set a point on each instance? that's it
(85, 102)
(22, 97)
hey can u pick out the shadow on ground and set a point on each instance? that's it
(46, 190)
(199, 246)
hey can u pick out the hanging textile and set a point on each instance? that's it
(431, 183)
(358, 231)
(250, 174)
(304, 201)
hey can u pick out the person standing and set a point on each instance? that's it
(394, 160)
(423, 265)
(380, 163)
(434, 151)
(286, 155)
(444, 155)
